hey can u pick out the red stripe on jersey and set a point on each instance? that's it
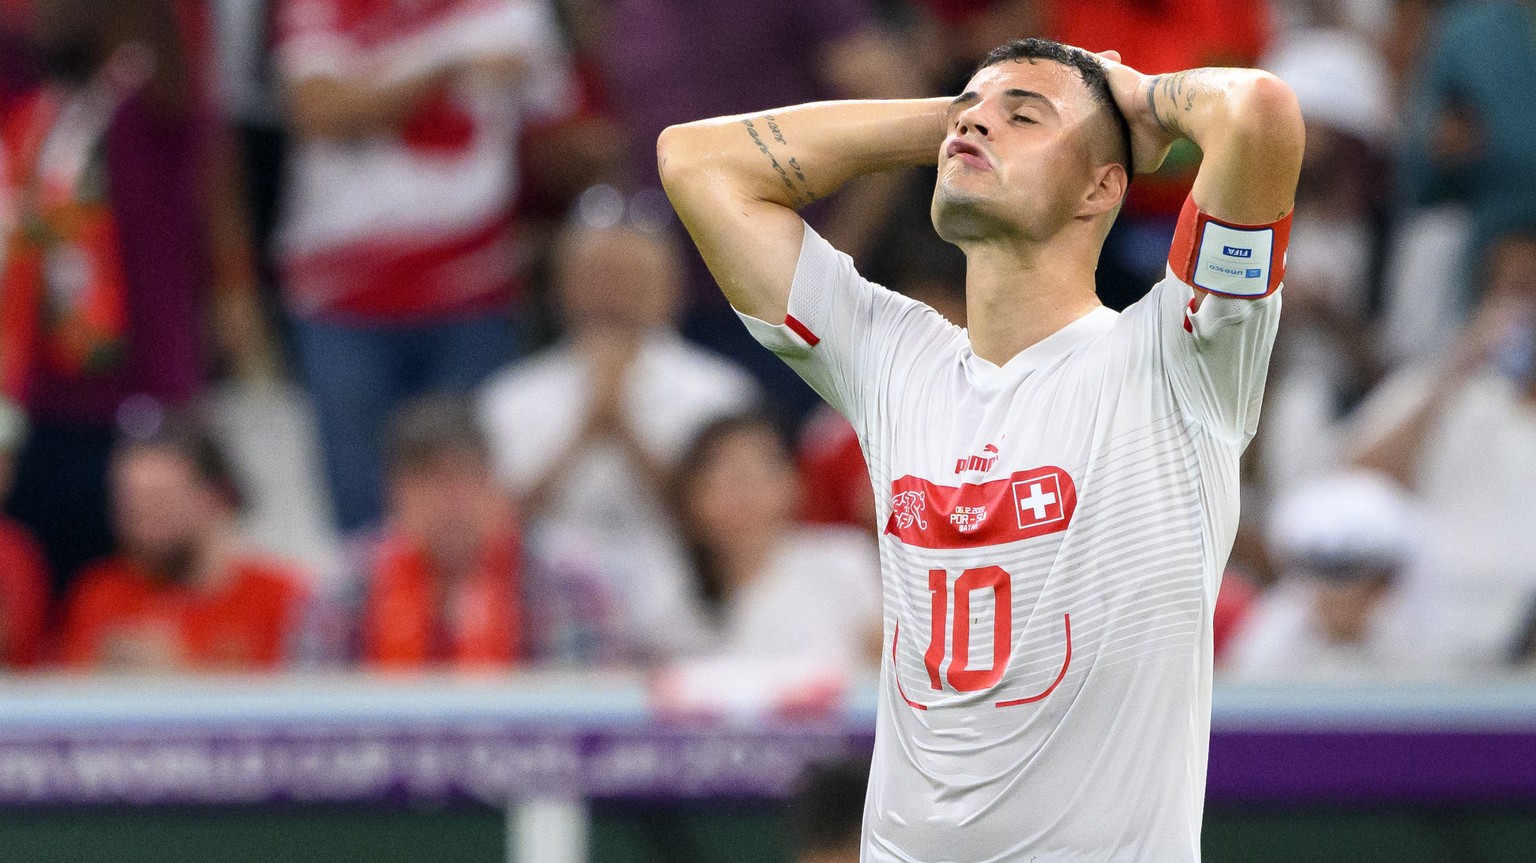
(1184, 253)
(1027, 504)
(1066, 621)
(801, 330)
(390, 277)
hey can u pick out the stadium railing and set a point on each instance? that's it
(542, 745)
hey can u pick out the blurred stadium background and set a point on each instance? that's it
(384, 479)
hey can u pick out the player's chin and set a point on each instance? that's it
(960, 215)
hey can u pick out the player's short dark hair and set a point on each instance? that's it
(827, 810)
(429, 426)
(1087, 68)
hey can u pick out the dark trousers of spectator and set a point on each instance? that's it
(61, 495)
(358, 374)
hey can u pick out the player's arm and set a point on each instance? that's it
(1248, 126)
(737, 182)
(1246, 122)
(1231, 236)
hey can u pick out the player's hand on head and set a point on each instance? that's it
(1150, 142)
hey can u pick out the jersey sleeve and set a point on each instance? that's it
(844, 335)
(1216, 356)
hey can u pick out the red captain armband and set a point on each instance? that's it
(1228, 259)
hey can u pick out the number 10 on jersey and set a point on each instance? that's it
(963, 678)
(956, 626)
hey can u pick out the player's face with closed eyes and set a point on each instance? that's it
(1018, 153)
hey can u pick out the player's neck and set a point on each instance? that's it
(1016, 296)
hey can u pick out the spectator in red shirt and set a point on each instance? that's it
(181, 594)
(23, 575)
(443, 578)
(397, 243)
(833, 474)
(122, 246)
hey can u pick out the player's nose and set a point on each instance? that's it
(972, 119)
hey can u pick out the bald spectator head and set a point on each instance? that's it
(616, 265)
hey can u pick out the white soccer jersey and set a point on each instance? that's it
(1053, 534)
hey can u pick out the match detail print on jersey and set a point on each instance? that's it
(1027, 504)
(1228, 259)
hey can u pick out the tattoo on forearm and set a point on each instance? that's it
(1171, 97)
(798, 186)
(1152, 103)
(773, 127)
(794, 163)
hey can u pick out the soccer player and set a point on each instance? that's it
(1057, 485)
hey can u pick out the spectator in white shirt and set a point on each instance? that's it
(1462, 437)
(1341, 542)
(775, 590)
(587, 432)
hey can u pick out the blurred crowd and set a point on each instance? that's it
(358, 332)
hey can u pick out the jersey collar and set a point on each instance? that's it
(1058, 344)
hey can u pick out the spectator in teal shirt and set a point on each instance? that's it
(1472, 117)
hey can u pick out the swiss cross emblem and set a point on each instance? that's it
(1038, 501)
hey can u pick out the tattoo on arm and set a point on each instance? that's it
(793, 177)
(1152, 103)
(794, 164)
(1171, 97)
(773, 126)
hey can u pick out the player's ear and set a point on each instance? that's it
(1107, 190)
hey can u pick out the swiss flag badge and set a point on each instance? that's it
(1027, 504)
(1037, 498)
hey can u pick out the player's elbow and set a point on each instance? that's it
(677, 150)
(1267, 107)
